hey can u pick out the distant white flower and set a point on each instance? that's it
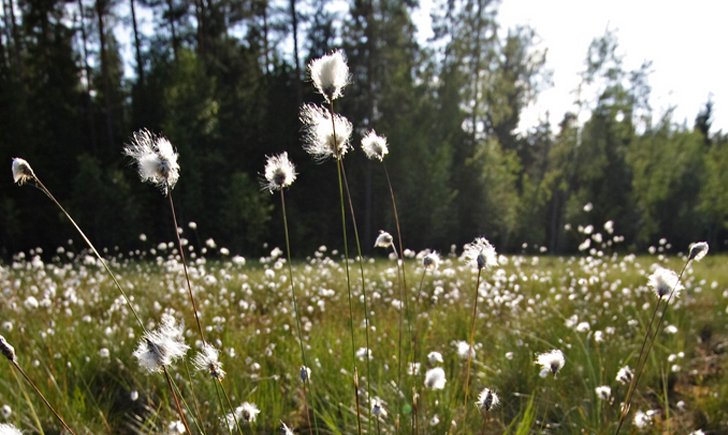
(624, 375)
(671, 329)
(609, 226)
(377, 409)
(330, 74)
(320, 140)
(207, 360)
(435, 378)
(641, 419)
(552, 361)
(588, 207)
(603, 392)
(698, 251)
(161, 347)
(431, 261)
(155, 158)
(9, 429)
(435, 420)
(664, 282)
(464, 349)
(413, 368)
(583, 327)
(245, 413)
(22, 171)
(480, 254)
(279, 172)
(176, 427)
(6, 411)
(697, 432)
(434, 357)
(487, 400)
(374, 146)
(362, 353)
(384, 240)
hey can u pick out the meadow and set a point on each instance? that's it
(74, 335)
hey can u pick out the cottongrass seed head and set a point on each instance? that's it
(384, 240)
(664, 282)
(604, 392)
(550, 362)
(207, 360)
(320, 140)
(279, 172)
(624, 375)
(487, 400)
(330, 74)
(480, 254)
(161, 347)
(374, 146)
(304, 374)
(435, 378)
(245, 413)
(698, 250)
(9, 429)
(22, 171)
(6, 349)
(378, 409)
(431, 261)
(155, 158)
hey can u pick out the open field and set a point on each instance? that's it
(75, 336)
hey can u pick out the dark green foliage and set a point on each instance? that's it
(218, 79)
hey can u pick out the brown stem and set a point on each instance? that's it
(176, 400)
(37, 391)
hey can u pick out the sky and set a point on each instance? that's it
(686, 41)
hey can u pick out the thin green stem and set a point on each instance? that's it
(294, 298)
(192, 390)
(222, 409)
(37, 391)
(230, 404)
(470, 351)
(184, 264)
(337, 156)
(93, 249)
(639, 370)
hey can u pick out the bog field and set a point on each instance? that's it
(79, 342)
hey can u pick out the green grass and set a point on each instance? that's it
(247, 313)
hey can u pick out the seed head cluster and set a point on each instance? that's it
(155, 159)
(161, 347)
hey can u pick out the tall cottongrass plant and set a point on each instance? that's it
(279, 174)
(23, 173)
(328, 135)
(666, 284)
(479, 254)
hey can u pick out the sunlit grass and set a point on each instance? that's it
(77, 342)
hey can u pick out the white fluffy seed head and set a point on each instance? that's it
(664, 282)
(435, 378)
(698, 250)
(552, 361)
(374, 146)
(279, 172)
(161, 347)
(9, 429)
(487, 400)
(480, 254)
(207, 360)
(624, 375)
(320, 140)
(155, 158)
(384, 240)
(330, 74)
(22, 171)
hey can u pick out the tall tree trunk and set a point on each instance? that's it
(265, 36)
(476, 67)
(172, 19)
(87, 70)
(297, 82)
(105, 74)
(137, 45)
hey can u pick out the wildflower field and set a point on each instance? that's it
(74, 335)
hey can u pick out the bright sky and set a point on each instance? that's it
(685, 41)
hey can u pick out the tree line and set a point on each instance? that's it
(224, 81)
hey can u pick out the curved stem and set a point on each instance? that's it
(37, 391)
(470, 350)
(184, 264)
(176, 400)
